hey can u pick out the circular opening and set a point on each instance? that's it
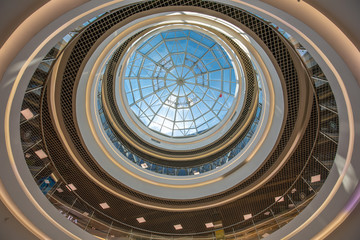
(179, 83)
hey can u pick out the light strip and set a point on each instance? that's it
(341, 216)
(272, 108)
(5, 197)
(88, 88)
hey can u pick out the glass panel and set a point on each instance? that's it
(179, 75)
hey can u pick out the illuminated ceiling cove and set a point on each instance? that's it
(177, 119)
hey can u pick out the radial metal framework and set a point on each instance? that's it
(180, 83)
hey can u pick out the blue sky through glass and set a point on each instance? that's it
(180, 83)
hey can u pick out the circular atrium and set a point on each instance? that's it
(179, 83)
(171, 119)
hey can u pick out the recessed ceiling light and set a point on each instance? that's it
(104, 205)
(144, 165)
(267, 213)
(27, 114)
(141, 220)
(293, 190)
(85, 213)
(59, 190)
(316, 178)
(178, 227)
(71, 187)
(209, 225)
(41, 154)
(247, 216)
(279, 199)
(291, 205)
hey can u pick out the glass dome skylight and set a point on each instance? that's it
(180, 83)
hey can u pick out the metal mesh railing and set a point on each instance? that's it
(299, 188)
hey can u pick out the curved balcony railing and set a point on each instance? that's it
(259, 225)
(175, 171)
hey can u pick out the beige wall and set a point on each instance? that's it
(344, 13)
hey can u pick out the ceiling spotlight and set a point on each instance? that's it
(209, 225)
(27, 114)
(104, 205)
(141, 220)
(247, 216)
(178, 227)
(316, 178)
(41, 154)
(279, 199)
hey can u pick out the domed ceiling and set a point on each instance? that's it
(179, 118)
(179, 83)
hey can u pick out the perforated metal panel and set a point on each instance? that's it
(275, 45)
(295, 182)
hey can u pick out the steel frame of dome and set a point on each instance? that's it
(347, 96)
(179, 81)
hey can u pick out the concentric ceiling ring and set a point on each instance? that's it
(187, 170)
(199, 185)
(347, 162)
(179, 82)
(181, 148)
